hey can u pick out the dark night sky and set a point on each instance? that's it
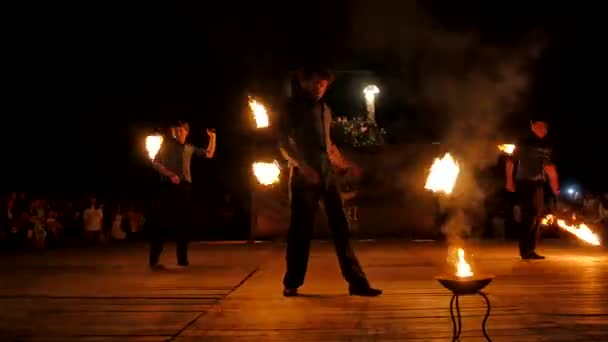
(84, 79)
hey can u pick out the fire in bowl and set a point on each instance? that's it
(464, 285)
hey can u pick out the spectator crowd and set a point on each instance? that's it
(29, 221)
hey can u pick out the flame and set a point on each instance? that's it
(507, 148)
(443, 175)
(153, 144)
(259, 113)
(267, 173)
(581, 230)
(547, 220)
(463, 269)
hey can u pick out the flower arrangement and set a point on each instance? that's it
(359, 132)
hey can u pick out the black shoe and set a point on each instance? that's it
(532, 256)
(287, 292)
(364, 291)
(183, 264)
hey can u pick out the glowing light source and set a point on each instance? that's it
(259, 113)
(463, 269)
(443, 175)
(153, 144)
(267, 173)
(370, 93)
(507, 148)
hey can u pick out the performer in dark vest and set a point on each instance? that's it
(173, 205)
(531, 163)
(304, 140)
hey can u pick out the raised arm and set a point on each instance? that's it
(208, 152)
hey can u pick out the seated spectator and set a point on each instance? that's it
(117, 231)
(54, 228)
(37, 219)
(136, 222)
(8, 227)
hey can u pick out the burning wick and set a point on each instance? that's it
(267, 173)
(443, 175)
(581, 230)
(153, 144)
(463, 269)
(259, 113)
(507, 148)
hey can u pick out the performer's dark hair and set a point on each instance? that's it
(183, 123)
(310, 70)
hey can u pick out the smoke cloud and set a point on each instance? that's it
(465, 86)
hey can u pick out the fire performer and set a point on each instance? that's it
(304, 140)
(533, 156)
(173, 163)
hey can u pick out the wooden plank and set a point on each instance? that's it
(559, 299)
(110, 295)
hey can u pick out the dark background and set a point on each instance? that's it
(86, 81)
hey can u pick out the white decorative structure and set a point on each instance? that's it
(370, 97)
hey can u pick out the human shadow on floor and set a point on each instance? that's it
(321, 296)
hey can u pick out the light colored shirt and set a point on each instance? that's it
(117, 231)
(93, 219)
(178, 157)
(189, 150)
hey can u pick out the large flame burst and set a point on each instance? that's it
(267, 173)
(443, 175)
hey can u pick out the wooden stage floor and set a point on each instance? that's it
(232, 292)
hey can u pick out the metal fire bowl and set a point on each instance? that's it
(464, 286)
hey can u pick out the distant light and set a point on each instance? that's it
(371, 89)
(571, 191)
(370, 96)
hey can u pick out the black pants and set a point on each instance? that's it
(304, 204)
(531, 199)
(172, 216)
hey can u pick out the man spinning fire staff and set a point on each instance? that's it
(533, 156)
(173, 163)
(304, 140)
